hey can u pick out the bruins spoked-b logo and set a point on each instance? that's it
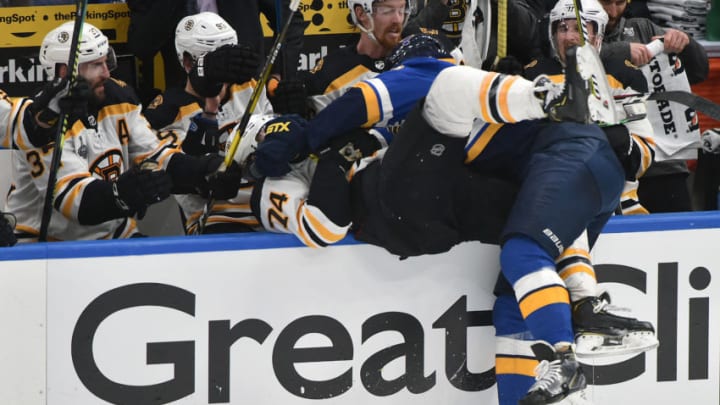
(63, 36)
(108, 166)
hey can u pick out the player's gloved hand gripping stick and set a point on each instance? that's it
(254, 98)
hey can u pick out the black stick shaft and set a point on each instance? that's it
(62, 121)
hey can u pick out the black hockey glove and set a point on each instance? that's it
(509, 65)
(285, 142)
(49, 102)
(223, 185)
(627, 153)
(76, 101)
(140, 187)
(7, 228)
(203, 86)
(56, 98)
(202, 136)
(289, 97)
(229, 64)
(350, 147)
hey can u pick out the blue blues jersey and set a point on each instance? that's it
(381, 102)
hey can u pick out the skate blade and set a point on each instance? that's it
(576, 398)
(592, 346)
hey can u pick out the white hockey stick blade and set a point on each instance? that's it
(600, 99)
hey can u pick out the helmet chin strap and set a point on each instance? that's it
(369, 31)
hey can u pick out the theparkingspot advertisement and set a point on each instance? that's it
(257, 319)
(22, 30)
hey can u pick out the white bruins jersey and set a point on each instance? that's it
(233, 109)
(171, 114)
(8, 109)
(100, 146)
(281, 205)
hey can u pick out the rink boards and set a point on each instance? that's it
(259, 319)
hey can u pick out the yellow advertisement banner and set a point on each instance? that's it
(324, 17)
(27, 26)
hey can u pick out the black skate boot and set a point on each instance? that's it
(599, 333)
(572, 103)
(557, 376)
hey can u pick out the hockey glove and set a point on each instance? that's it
(285, 142)
(289, 97)
(140, 187)
(55, 98)
(354, 145)
(509, 65)
(222, 185)
(711, 140)
(620, 140)
(229, 64)
(47, 105)
(202, 136)
(7, 228)
(76, 101)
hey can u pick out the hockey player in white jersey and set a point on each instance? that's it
(113, 166)
(198, 116)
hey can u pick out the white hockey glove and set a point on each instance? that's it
(711, 140)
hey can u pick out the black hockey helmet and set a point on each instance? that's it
(416, 45)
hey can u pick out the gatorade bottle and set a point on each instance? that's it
(713, 21)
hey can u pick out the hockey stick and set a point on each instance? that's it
(254, 98)
(62, 120)
(501, 32)
(691, 100)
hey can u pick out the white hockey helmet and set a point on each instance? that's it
(55, 47)
(253, 134)
(201, 33)
(367, 7)
(592, 11)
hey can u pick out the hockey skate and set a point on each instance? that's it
(599, 333)
(559, 377)
(571, 104)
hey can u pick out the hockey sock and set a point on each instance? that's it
(540, 292)
(460, 94)
(514, 359)
(576, 270)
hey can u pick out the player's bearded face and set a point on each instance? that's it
(615, 10)
(389, 17)
(96, 73)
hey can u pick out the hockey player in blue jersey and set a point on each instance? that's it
(380, 102)
(384, 101)
(421, 198)
(597, 330)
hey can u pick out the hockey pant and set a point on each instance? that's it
(422, 199)
(572, 182)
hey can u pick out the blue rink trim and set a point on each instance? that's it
(252, 241)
